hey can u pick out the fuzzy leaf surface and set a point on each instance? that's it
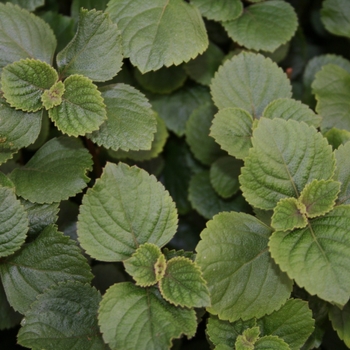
(247, 340)
(341, 322)
(335, 15)
(29, 5)
(53, 97)
(342, 173)
(220, 10)
(270, 342)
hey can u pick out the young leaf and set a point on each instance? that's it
(53, 96)
(264, 26)
(340, 322)
(23, 82)
(95, 50)
(317, 257)
(145, 26)
(131, 318)
(335, 16)
(183, 284)
(82, 109)
(9, 318)
(125, 208)
(247, 340)
(55, 172)
(286, 155)
(49, 259)
(337, 137)
(270, 342)
(243, 280)
(260, 82)
(63, 317)
(342, 173)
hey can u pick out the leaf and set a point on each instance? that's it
(30, 5)
(129, 115)
(82, 109)
(146, 26)
(264, 26)
(220, 10)
(95, 50)
(6, 154)
(183, 284)
(332, 90)
(286, 155)
(53, 96)
(232, 130)
(23, 35)
(6, 182)
(249, 81)
(9, 318)
(270, 342)
(317, 257)
(342, 173)
(23, 82)
(55, 172)
(340, 322)
(63, 317)
(131, 318)
(13, 222)
(335, 16)
(125, 208)
(247, 340)
(337, 137)
(49, 259)
(141, 265)
(243, 280)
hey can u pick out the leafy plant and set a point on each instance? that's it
(170, 164)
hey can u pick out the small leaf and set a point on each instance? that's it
(342, 173)
(6, 182)
(219, 10)
(337, 137)
(271, 342)
(247, 340)
(335, 16)
(23, 82)
(341, 322)
(130, 317)
(159, 267)
(95, 50)
(53, 96)
(82, 109)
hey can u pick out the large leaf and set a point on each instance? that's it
(342, 173)
(341, 322)
(49, 259)
(335, 15)
(131, 318)
(30, 5)
(9, 318)
(125, 208)
(95, 50)
(286, 155)
(146, 26)
(55, 172)
(219, 10)
(243, 280)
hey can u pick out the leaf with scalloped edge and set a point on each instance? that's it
(131, 317)
(146, 26)
(335, 15)
(342, 173)
(341, 322)
(53, 97)
(219, 10)
(95, 50)
(247, 339)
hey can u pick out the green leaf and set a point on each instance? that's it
(6, 155)
(125, 208)
(270, 342)
(82, 109)
(286, 155)
(30, 5)
(9, 318)
(232, 130)
(13, 222)
(337, 137)
(183, 284)
(141, 265)
(332, 90)
(129, 115)
(49, 259)
(342, 173)
(247, 340)
(289, 214)
(264, 26)
(131, 318)
(243, 280)
(317, 257)
(95, 50)
(6, 182)
(24, 35)
(341, 322)
(260, 82)
(55, 172)
(63, 317)
(146, 26)
(219, 10)
(87, 4)
(335, 15)
(23, 82)
(53, 96)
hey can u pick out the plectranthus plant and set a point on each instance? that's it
(174, 174)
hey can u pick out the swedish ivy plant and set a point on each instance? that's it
(175, 174)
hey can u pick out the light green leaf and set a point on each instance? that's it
(53, 96)
(82, 109)
(270, 342)
(264, 26)
(125, 208)
(132, 318)
(146, 26)
(63, 317)
(9, 318)
(289, 214)
(55, 172)
(141, 265)
(232, 130)
(13, 222)
(286, 155)
(260, 82)
(24, 35)
(87, 4)
(49, 259)
(23, 82)
(30, 5)
(247, 340)
(317, 257)
(6, 182)
(243, 280)
(335, 15)
(332, 90)
(129, 115)
(342, 173)
(341, 322)
(95, 50)
(337, 137)
(219, 10)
